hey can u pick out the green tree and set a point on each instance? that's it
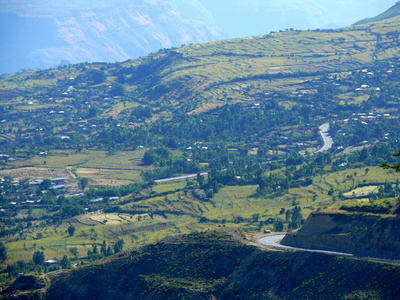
(255, 217)
(117, 90)
(97, 76)
(65, 262)
(71, 230)
(74, 252)
(119, 246)
(38, 257)
(297, 218)
(3, 252)
(83, 182)
(109, 251)
(8, 179)
(397, 167)
(45, 184)
(103, 248)
(278, 225)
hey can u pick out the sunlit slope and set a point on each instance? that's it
(216, 73)
(220, 71)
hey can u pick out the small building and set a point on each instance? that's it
(58, 180)
(58, 187)
(50, 262)
(96, 200)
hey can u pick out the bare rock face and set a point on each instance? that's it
(73, 32)
(357, 233)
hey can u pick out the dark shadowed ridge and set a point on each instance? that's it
(215, 264)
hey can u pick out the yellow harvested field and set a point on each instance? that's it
(362, 191)
(100, 176)
(115, 219)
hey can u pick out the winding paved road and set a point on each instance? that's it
(274, 241)
(328, 141)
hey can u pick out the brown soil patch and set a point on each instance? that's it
(97, 179)
(36, 173)
(205, 108)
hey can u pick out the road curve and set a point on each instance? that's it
(274, 242)
(328, 141)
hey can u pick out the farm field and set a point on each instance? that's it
(232, 206)
(102, 169)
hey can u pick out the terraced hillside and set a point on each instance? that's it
(239, 119)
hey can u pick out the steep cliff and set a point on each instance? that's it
(358, 233)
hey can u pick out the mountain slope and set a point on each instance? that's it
(204, 76)
(392, 12)
(119, 30)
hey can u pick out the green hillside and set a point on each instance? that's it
(237, 119)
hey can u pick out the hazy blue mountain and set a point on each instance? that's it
(243, 18)
(46, 33)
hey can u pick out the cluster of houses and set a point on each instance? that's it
(364, 117)
(56, 183)
(101, 199)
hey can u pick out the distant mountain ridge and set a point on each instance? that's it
(45, 37)
(390, 13)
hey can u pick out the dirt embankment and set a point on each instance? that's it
(357, 233)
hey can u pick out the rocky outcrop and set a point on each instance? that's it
(357, 233)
